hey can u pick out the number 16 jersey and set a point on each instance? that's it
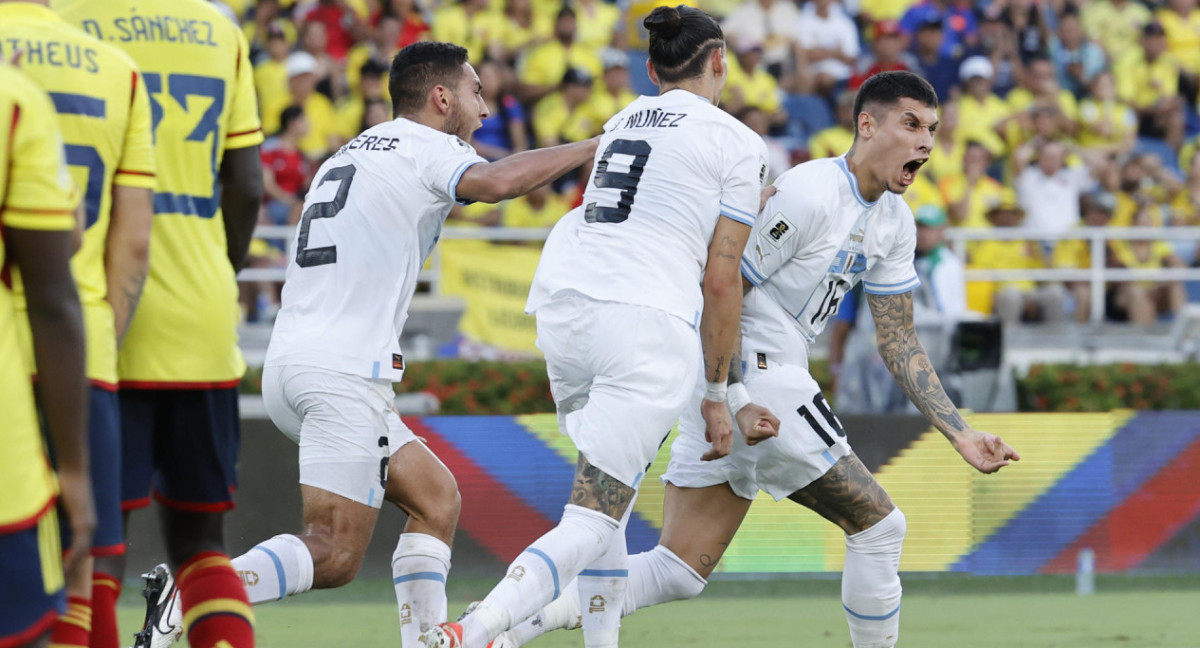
(667, 167)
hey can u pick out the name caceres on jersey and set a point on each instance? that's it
(666, 168)
(371, 218)
(816, 238)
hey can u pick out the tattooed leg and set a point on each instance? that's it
(597, 490)
(699, 524)
(847, 495)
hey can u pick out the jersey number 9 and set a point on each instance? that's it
(626, 181)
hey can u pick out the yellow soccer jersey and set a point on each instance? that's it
(104, 116)
(202, 102)
(36, 193)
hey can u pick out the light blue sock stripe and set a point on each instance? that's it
(278, 570)
(550, 564)
(606, 573)
(433, 576)
(871, 618)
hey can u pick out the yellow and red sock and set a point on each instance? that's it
(73, 629)
(105, 591)
(216, 611)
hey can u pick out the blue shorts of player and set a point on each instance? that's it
(31, 597)
(184, 444)
(104, 451)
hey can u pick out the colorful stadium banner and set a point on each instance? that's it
(1125, 484)
(494, 280)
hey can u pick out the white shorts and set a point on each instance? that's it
(620, 374)
(810, 441)
(345, 425)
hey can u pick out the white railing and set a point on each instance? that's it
(1097, 275)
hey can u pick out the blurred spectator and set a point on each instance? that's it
(371, 84)
(998, 45)
(1016, 301)
(933, 62)
(614, 93)
(1097, 208)
(887, 54)
(342, 25)
(979, 110)
(543, 68)
(779, 158)
(957, 19)
(262, 18)
(413, 27)
(943, 282)
(313, 41)
(597, 23)
(381, 49)
(1077, 60)
(873, 11)
(826, 44)
(1028, 28)
(1049, 190)
(539, 208)
(302, 80)
(1148, 78)
(523, 28)
(285, 171)
(750, 85)
(1115, 24)
(922, 192)
(1180, 20)
(504, 131)
(770, 22)
(270, 74)
(1145, 185)
(1040, 94)
(473, 24)
(1143, 302)
(836, 139)
(948, 147)
(1108, 126)
(375, 112)
(970, 191)
(562, 116)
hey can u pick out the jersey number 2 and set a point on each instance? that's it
(307, 257)
(626, 181)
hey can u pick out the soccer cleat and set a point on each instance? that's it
(505, 640)
(446, 635)
(164, 617)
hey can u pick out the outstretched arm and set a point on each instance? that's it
(517, 175)
(910, 366)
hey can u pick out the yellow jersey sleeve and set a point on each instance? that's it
(245, 130)
(38, 191)
(136, 167)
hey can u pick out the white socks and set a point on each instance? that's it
(602, 591)
(656, 576)
(275, 568)
(419, 568)
(871, 583)
(535, 578)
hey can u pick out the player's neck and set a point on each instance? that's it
(868, 185)
(432, 119)
(699, 86)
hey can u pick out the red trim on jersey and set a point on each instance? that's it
(249, 132)
(134, 504)
(5, 270)
(21, 525)
(133, 75)
(44, 212)
(32, 632)
(101, 384)
(111, 550)
(138, 173)
(166, 384)
(193, 507)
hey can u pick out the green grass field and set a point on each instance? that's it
(943, 612)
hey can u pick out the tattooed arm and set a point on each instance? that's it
(910, 366)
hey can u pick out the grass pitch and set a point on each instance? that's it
(942, 612)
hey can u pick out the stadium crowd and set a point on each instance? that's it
(1055, 113)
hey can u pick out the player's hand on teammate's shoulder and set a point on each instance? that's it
(75, 488)
(986, 452)
(718, 429)
(767, 192)
(757, 423)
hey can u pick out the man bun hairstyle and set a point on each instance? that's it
(681, 39)
(883, 90)
(419, 67)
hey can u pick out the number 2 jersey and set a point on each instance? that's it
(196, 66)
(816, 238)
(371, 218)
(667, 167)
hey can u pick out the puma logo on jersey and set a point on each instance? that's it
(780, 231)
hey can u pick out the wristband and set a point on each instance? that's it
(737, 397)
(715, 391)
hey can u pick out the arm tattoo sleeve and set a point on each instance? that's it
(910, 366)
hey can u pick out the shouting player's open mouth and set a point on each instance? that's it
(909, 174)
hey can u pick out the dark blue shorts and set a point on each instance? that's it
(31, 597)
(104, 451)
(182, 444)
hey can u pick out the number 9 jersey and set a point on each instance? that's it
(667, 167)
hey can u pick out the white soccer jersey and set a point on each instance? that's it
(667, 167)
(371, 218)
(816, 238)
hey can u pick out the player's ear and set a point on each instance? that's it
(865, 124)
(720, 66)
(650, 71)
(441, 98)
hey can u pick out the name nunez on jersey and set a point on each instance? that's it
(653, 118)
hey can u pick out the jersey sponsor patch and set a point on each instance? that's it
(781, 229)
(457, 144)
(397, 361)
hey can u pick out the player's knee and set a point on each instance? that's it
(680, 581)
(885, 536)
(341, 568)
(437, 508)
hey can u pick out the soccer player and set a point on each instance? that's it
(832, 223)
(37, 213)
(631, 287)
(370, 220)
(179, 365)
(104, 113)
